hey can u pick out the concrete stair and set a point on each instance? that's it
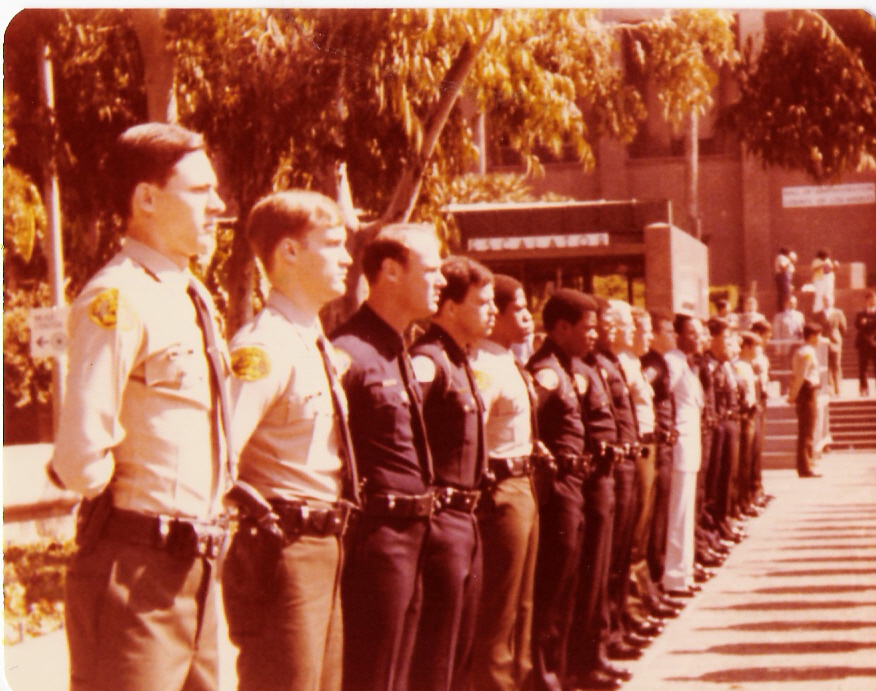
(853, 423)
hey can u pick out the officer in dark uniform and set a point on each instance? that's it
(725, 442)
(454, 415)
(569, 319)
(656, 373)
(381, 588)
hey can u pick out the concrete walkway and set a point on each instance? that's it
(794, 607)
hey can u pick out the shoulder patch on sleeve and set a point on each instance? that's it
(581, 383)
(547, 379)
(250, 363)
(108, 310)
(482, 379)
(424, 368)
(342, 361)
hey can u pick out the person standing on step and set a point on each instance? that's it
(803, 394)
(865, 341)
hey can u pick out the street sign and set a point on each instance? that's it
(48, 331)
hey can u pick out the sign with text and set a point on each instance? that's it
(48, 331)
(536, 242)
(829, 195)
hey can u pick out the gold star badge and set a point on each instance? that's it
(250, 363)
(547, 379)
(482, 379)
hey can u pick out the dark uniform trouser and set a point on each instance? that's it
(646, 472)
(866, 356)
(746, 452)
(660, 519)
(509, 535)
(381, 594)
(284, 612)
(707, 479)
(722, 472)
(626, 509)
(452, 579)
(588, 640)
(561, 523)
(807, 410)
(140, 619)
(757, 453)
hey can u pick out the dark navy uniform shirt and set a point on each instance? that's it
(560, 424)
(706, 365)
(596, 407)
(389, 452)
(452, 409)
(656, 373)
(625, 416)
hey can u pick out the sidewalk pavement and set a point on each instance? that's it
(794, 607)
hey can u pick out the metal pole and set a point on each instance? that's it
(54, 247)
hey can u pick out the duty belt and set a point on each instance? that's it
(457, 499)
(634, 450)
(298, 519)
(608, 456)
(184, 538)
(394, 505)
(648, 438)
(504, 468)
(574, 464)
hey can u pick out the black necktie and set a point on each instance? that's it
(533, 404)
(352, 475)
(417, 422)
(222, 411)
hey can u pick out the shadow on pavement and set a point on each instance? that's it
(805, 590)
(764, 626)
(792, 605)
(781, 674)
(789, 648)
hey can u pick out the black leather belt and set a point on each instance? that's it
(185, 538)
(458, 499)
(648, 438)
(298, 519)
(574, 464)
(504, 468)
(400, 505)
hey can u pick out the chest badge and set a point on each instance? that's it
(482, 379)
(547, 379)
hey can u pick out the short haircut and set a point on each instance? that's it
(658, 317)
(462, 274)
(722, 303)
(749, 338)
(811, 329)
(567, 305)
(680, 320)
(392, 242)
(717, 326)
(762, 327)
(290, 214)
(146, 153)
(506, 288)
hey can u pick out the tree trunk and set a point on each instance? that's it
(157, 64)
(240, 272)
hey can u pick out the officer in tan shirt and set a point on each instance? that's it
(803, 392)
(141, 433)
(282, 595)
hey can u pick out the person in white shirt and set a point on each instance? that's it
(750, 315)
(743, 366)
(509, 517)
(784, 275)
(805, 381)
(678, 575)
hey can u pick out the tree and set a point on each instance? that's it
(808, 98)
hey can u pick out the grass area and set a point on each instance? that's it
(33, 588)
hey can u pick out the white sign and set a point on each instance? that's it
(829, 195)
(48, 331)
(533, 242)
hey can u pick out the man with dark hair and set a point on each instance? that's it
(508, 514)
(865, 341)
(569, 319)
(453, 412)
(142, 431)
(281, 590)
(803, 393)
(382, 583)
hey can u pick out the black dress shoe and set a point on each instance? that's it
(709, 558)
(678, 604)
(685, 592)
(662, 611)
(650, 629)
(811, 475)
(702, 575)
(637, 640)
(621, 673)
(598, 681)
(622, 651)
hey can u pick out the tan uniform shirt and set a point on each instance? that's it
(641, 392)
(745, 375)
(504, 391)
(284, 420)
(138, 410)
(804, 368)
